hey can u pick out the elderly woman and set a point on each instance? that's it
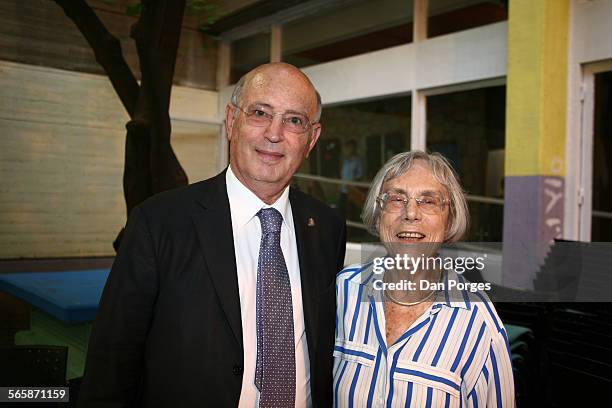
(431, 346)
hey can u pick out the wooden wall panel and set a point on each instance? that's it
(61, 159)
(196, 145)
(37, 32)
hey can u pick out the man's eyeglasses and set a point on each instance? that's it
(262, 117)
(396, 202)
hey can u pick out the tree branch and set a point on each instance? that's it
(107, 50)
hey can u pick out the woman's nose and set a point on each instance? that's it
(412, 210)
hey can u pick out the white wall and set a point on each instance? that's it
(591, 30)
(471, 55)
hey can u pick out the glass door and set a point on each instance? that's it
(596, 208)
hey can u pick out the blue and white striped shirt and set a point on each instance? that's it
(455, 355)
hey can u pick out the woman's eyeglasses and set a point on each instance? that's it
(396, 202)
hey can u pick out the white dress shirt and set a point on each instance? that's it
(246, 228)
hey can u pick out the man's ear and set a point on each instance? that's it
(316, 132)
(229, 121)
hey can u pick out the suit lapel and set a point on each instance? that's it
(306, 233)
(213, 224)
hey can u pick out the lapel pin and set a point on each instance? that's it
(311, 222)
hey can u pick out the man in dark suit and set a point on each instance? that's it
(222, 293)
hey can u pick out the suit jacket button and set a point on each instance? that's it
(237, 370)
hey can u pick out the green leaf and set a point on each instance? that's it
(133, 10)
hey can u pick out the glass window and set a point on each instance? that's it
(449, 16)
(467, 127)
(601, 224)
(247, 53)
(356, 140)
(336, 32)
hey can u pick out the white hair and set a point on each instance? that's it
(442, 172)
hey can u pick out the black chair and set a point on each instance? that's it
(33, 366)
(30, 366)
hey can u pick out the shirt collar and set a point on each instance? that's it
(453, 297)
(245, 204)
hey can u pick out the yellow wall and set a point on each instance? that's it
(536, 87)
(61, 159)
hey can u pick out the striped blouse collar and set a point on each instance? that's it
(450, 297)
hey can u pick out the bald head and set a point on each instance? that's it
(281, 75)
(266, 148)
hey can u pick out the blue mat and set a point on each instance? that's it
(72, 297)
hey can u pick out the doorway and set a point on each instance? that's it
(596, 169)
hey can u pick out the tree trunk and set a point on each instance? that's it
(157, 36)
(150, 163)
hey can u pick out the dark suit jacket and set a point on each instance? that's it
(168, 331)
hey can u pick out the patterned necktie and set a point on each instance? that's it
(275, 370)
